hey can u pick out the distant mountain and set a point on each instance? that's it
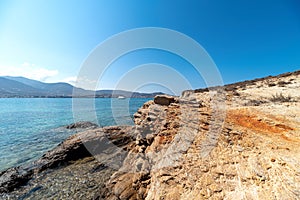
(48, 89)
(11, 88)
(127, 94)
(24, 87)
(27, 81)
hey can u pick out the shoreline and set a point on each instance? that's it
(70, 97)
(260, 133)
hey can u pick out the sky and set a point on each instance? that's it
(50, 40)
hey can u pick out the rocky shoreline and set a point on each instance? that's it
(237, 141)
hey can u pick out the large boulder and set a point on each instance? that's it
(100, 141)
(164, 100)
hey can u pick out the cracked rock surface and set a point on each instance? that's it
(240, 141)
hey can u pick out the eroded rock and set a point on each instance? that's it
(252, 154)
(72, 149)
(82, 125)
(164, 100)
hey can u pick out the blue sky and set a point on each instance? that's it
(49, 40)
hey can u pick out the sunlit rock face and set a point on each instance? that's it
(239, 141)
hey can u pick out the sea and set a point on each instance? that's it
(29, 127)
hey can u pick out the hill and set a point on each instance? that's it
(20, 87)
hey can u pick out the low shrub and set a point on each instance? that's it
(280, 98)
(254, 102)
(283, 83)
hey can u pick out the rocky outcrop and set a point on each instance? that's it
(72, 149)
(183, 151)
(164, 100)
(14, 178)
(82, 125)
(240, 141)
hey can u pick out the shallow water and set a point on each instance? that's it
(84, 179)
(31, 126)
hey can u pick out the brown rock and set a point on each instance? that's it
(164, 100)
(165, 157)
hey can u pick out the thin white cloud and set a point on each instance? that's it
(85, 83)
(71, 80)
(28, 70)
(81, 82)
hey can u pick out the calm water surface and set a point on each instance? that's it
(29, 127)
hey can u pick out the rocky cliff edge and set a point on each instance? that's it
(240, 141)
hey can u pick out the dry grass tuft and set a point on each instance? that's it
(280, 98)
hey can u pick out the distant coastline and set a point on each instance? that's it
(20, 87)
(67, 97)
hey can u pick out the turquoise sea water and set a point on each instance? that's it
(29, 127)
